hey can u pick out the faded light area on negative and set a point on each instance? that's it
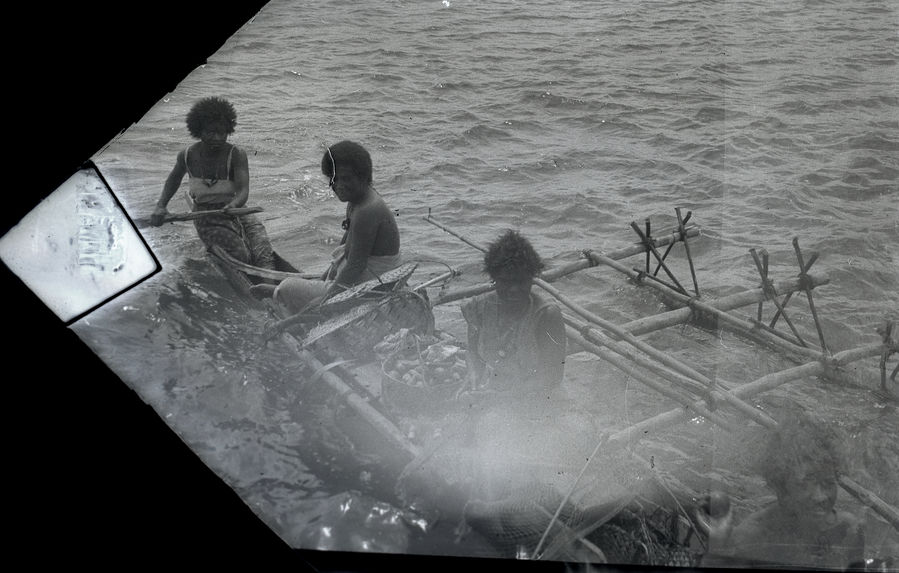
(77, 249)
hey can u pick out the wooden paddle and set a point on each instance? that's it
(143, 222)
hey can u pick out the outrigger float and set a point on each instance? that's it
(362, 319)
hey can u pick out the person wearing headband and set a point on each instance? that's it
(370, 245)
(219, 178)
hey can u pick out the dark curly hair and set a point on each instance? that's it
(512, 252)
(800, 440)
(351, 154)
(208, 110)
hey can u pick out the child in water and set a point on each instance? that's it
(802, 528)
(219, 180)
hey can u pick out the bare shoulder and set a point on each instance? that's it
(372, 206)
(239, 154)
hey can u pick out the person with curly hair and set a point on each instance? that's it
(219, 179)
(801, 528)
(516, 338)
(370, 245)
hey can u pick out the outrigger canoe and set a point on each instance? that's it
(351, 345)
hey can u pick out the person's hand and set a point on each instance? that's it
(715, 516)
(158, 216)
(227, 209)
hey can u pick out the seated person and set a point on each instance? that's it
(800, 529)
(516, 338)
(219, 180)
(371, 242)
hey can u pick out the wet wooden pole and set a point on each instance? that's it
(738, 325)
(676, 416)
(737, 396)
(681, 221)
(556, 273)
(698, 383)
(354, 400)
(772, 294)
(698, 406)
(808, 293)
(730, 302)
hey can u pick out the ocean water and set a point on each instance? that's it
(567, 121)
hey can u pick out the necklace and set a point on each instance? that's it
(205, 163)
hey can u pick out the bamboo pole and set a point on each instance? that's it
(624, 335)
(808, 293)
(598, 339)
(763, 384)
(650, 248)
(772, 296)
(680, 225)
(683, 314)
(556, 273)
(621, 333)
(357, 403)
(872, 500)
(671, 245)
(675, 416)
(683, 375)
(627, 367)
(697, 383)
(739, 325)
(439, 278)
(804, 272)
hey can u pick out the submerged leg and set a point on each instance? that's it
(225, 232)
(257, 241)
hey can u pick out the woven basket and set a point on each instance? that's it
(408, 400)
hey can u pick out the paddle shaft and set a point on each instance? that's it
(171, 218)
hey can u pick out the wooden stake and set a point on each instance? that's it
(680, 226)
(808, 293)
(738, 325)
(651, 248)
(764, 282)
(808, 265)
(561, 271)
(683, 314)
(772, 294)
(647, 239)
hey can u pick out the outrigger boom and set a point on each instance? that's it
(587, 334)
(695, 393)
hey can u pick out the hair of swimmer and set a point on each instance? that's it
(513, 254)
(211, 110)
(800, 442)
(348, 154)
